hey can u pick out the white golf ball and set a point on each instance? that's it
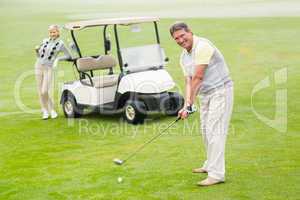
(120, 179)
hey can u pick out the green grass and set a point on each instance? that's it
(61, 159)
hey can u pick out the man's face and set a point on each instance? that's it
(53, 33)
(184, 39)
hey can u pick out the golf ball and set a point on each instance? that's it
(120, 179)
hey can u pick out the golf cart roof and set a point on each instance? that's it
(111, 21)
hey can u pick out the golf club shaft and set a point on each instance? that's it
(149, 141)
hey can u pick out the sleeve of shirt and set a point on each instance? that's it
(43, 42)
(66, 52)
(204, 53)
(182, 65)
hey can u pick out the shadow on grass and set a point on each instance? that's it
(118, 117)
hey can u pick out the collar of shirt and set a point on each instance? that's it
(53, 40)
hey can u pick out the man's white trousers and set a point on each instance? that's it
(215, 114)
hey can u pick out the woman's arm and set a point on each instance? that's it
(37, 48)
(67, 55)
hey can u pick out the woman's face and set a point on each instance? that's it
(54, 33)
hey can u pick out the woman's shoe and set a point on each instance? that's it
(53, 114)
(45, 115)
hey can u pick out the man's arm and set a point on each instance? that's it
(183, 112)
(196, 82)
(192, 86)
(202, 58)
(188, 85)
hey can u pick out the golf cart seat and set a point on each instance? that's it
(101, 62)
(103, 81)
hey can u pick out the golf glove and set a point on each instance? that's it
(190, 109)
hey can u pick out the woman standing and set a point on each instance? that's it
(47, 53)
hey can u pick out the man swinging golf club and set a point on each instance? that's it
(206, 74)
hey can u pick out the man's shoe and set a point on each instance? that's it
(209, 181)
(45, 115)
(53, 114)
(199, 170)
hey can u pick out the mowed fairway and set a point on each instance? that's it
(61, 159)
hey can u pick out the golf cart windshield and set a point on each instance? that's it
(143, 58)
(146, 55)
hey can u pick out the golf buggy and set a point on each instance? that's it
(141, 86)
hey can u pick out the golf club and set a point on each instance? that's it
(120, 162)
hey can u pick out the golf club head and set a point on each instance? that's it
(118, 161)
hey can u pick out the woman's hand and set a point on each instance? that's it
(36, 49)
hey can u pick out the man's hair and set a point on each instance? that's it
(179, 26)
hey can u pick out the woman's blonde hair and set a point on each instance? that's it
(53, 26)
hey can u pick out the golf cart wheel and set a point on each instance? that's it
(135, 112)
(173, 104)
(70, 108)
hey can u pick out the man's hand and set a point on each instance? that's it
(183, 114)
(186, 111)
